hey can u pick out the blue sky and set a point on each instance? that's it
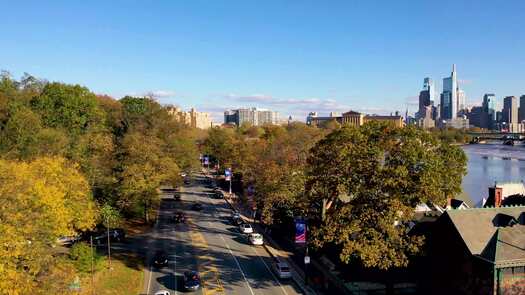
(290, 56)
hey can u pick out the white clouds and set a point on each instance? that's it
(160, 93)
(157, 94)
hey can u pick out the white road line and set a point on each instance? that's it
(149, 281)
(270, 271)
(238, 265)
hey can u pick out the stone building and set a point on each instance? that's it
(191, 118)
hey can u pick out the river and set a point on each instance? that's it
(488, 163)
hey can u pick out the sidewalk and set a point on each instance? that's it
(273, 249)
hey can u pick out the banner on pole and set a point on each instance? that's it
(228, 174)
(300, 231)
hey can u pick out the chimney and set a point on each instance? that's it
(498, 196)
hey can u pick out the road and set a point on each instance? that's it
(207, 242)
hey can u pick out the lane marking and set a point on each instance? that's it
(238, 265)
(270, 271)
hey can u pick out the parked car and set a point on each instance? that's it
(162, 292)
(67, 240)
(160, 259)
(187, 180)
(235, 215)
(192, 280)
(177, 196)
(256, 239)
(282, 270)
(115, 235)
(197, 207)
(246, 228)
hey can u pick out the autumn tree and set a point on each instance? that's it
(144, 168)
(40, 201)
(363, 184)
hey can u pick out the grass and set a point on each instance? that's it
(126, 277)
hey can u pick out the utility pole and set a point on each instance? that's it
(92, 271)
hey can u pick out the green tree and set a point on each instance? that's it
(71, 107)
(145, 167)
(82, 256)
(363, 184)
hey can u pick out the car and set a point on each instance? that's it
(246, 228)
(179, 217)
(115, 234)
(256, 239)
(162, 292)
(67, 240)
(187, 181)
(282, 270)
(192, 280)
(235, 215)
(160, 259)
(177, 196)
(197, 207)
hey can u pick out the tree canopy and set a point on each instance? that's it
(40, 201)
(364, 183)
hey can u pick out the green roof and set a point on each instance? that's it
(478, 226)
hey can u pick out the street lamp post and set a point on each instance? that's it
(109, 242)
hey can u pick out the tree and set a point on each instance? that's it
(145, 167)
(363, 184)
(71, 107)
(41, 201)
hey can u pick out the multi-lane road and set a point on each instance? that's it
(209, 244)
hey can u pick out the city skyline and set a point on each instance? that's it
(308, 58)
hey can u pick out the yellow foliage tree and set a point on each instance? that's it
(39, 201)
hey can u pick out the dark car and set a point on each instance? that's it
(160, 259)
(115, 235)
(192, 280)
(177, 196)
(197, 207)
(218, 195)
(187, 181)
(179, 217)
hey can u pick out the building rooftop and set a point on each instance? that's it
(495, 234)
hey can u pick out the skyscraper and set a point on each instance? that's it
(510, 112)
(521, 112)
(489, 111)
(425, 97)
(449, 97)
(453, 99)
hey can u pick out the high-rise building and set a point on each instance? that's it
(191, 118)
(521, 112)
(462, 103)
(489, 111)
(425, 97)
(510, 112)
(252, 116)
(449, 97)
(453, 99)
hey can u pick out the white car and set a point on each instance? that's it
(67, 240)
(256, 239)
(162, 292)
(282, 270)
(246, 228)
